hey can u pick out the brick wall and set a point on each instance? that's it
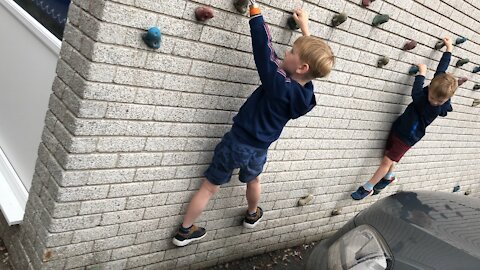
(130, 130)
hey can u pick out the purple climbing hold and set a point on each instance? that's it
(203, 13)
(462, 80)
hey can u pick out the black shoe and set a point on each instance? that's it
(184, 238)
(361, 193)
(383, 184)
(250, 221)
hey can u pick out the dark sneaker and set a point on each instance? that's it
(250, 221)
(383, 184)
(361, 193)
(184, 238)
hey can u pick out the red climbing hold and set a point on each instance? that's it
(462, 80)
(203, 13)
(410, 45)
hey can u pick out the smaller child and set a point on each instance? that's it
(409, 128)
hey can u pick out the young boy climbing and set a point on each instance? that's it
(409, 128)
(286, 92)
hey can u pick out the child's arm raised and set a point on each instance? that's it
(419, 81)
(446, 57)
(266, 60)
(301, 18)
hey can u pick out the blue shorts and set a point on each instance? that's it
(230, 154)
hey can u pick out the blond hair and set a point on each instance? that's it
(443, 86)
(317, 54)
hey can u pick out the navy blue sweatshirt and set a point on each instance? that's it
(411, 125)
(278, 99)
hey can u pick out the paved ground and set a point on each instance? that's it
(287, 259)
(4, 264)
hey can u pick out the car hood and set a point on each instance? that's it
(428, 230)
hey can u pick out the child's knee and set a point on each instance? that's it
(211, 188)
(254, 181)
(386, 161)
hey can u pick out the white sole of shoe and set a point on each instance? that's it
(183, 243)
(251, 226)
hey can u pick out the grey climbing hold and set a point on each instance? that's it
(468, 192)
(462, 62)
(476, 86)
(476, 69)
(440, 44)
(410, 45)
(462, 80)
(336, 212)
(476, 102)
(241, 6)
(380, 19)
(292, 24)
(456, 188)
(413, 70)
(305, 200)
(383, 61)
(460, 40)
(339, 19)
(153, 37)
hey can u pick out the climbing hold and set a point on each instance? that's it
(305, 200)
(383, 61)
(476, 69)
(336, 212)
(203, 13)
(462, 80)
(440, 44)
(152, 38)
(410, 45)
(413, 70)
(380, 19)
(476, 102)
(241, 6)
(476, 86)
(456, 188)
(367, 3)
(339, 19)
(462, 62)
(292, 24)
(460, 40)
(468, 192)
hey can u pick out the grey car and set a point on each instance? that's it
(405, 231)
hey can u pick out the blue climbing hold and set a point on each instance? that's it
(460, 40)
(413, 70)
(476, 69)
(152, 38)
(456, 188)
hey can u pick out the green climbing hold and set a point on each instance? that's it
(241, 6)
(413, 70)
(462, 62)
(383, 61)
(476, 86)
(460, 40)
(292, 24)
(440, 44)
(380, 19)
(339, 19)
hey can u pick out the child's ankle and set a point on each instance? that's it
(389, 176)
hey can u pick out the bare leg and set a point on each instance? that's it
(199, 202)
(385, 167)
(253, 194)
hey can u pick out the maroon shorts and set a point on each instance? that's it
(395, 148)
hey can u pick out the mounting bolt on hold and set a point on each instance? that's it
(339, 19)
(410, 45)
(383, 61)
(380, 19)
(336, 212)
(153, 37)
(305, 200)
(462, 62)
(203, 13)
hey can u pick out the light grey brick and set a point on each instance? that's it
(74, 223)
(147, 200)
(122, 216)
(94, 233)
(114, 242)
(137, 227)
(130, 251)
(161, 211)
(140, 160)
(130, 189)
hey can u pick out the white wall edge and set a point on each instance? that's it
(13, 194)
(52, 42)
